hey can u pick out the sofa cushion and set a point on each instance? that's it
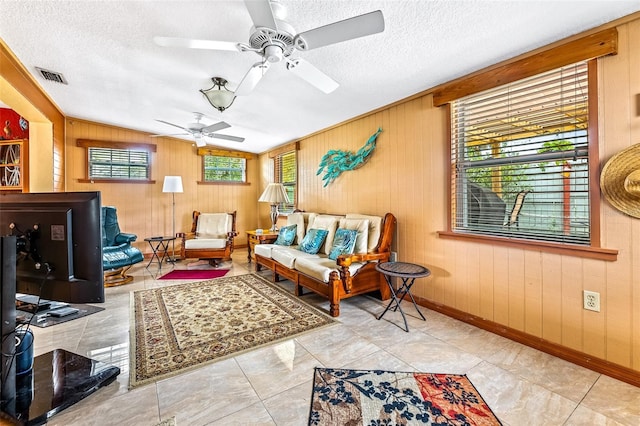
(313, 241)
(264, 250)
(320, 267)
(343, 242)
(213, 225)
(330, 224)
(298, 220)
(287, 235)
(375, 228)
(287, 256)
(362, 226)
(205, 243)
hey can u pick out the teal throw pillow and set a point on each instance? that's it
(287, 235)
(314, 239)
(343, 243)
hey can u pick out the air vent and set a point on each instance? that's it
(52, 76)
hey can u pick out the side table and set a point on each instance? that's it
(158, 244)
(408, 272)
(253, 238)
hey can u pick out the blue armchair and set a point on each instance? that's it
(118, 255)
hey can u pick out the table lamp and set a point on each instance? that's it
(275, 194)
(173, 184)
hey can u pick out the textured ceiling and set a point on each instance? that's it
(118, 75)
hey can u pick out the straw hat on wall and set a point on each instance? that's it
(620, 181)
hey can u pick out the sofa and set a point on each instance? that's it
(335, 271)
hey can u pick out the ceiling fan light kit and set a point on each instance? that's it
(219, 96)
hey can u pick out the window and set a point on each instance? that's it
(218, 168)
(110, 163)
(286, 172)
(520, 159)
(117, 162)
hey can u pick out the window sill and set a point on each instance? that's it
(609, 255)
(116, 181)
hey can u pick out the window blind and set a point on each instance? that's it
(108, 163)
(521, 159)
(286, 171)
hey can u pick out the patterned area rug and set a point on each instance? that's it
(365, 397)
(183, 326)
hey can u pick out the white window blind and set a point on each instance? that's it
(108, 163)
(286, 171)
(520, 159)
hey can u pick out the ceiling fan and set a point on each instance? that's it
(274, 40)
(200, 131)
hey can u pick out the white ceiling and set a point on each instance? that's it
(117, 75)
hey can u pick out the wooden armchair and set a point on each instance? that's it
(211, 237)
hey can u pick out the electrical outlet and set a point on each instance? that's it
(591, 300)
(393, 257)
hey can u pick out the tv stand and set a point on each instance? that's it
(58, 378)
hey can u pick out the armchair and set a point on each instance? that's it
(211, 237)
(118, 255)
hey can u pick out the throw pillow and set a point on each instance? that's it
(314, 239)
(362, 226)
(343, 243)
(287, 235)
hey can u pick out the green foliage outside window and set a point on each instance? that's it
(224, 169)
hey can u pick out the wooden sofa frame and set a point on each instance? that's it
(342, 284)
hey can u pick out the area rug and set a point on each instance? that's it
(374, 397)
(180, 327)
(45, 319)
(195, 274)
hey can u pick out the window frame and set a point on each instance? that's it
(129, 146)
(216, 152)
(243, 169)
(276, 156)
(498, 147)
(582, 49)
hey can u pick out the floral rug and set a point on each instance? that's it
(374, 397)
(180, 327)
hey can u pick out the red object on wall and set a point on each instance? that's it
(12, 126)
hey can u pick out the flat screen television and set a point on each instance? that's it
(59, 244)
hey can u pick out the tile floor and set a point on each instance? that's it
(272, 385)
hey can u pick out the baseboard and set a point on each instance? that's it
(598, 365)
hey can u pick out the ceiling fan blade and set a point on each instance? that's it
(312, 75)
(213, 127)
(196, 44)
(261, 13)
(348, 29)
(251, 78)
(225, 137)
(175, 125)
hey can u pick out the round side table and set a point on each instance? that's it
(407, 272)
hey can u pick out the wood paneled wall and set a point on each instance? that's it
(143, 209)
(19, 90)
(533, 292)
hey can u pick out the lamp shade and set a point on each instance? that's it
(172, 184)
(274, 193)
(219, 96)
